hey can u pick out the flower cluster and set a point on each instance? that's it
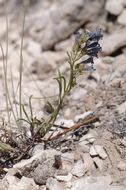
(87, 43)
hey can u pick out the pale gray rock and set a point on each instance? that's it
(119, 64)
(65, 18)
(38, 157)
(99, 163)
(83, 146)
(95, 183)
(64, 122)
(108, 60)
(33, 48)
(43, 172)
(88, 137)
(37, 149)
(3, 185)
(52, 184)
(122, 18)
(114, 7)
(113, 42)
(82, 116)
(24, 184)
(122, 108)
(93, 151)
(121, 166)
(79, 169)
(88, 161)
(101, 152)
(64, 178)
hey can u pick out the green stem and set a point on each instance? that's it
(71, 60)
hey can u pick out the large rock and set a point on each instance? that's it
(63, 18)
(113, 42)
(114, 7)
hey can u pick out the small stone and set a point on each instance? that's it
(88, 137)
(82, 116)
(33, 48)
(83, 147)
(99, 163)
(68, 156)
(122, 166)
(108, 60)
(94, 183)
(64, 122)
(69, 184)
(24, 184)
(38, 148)
(79, 169)
(11, 179)
(64, 178)
(122, 108)
(43, 172)
(88, 161)
(122, 142)
(101, 152)
(93, 151)
(118, 38)
(53, 184)
(39, 157)
(122, 18)
(114, 7)
(3, 185)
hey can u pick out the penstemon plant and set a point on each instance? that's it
(80, 59)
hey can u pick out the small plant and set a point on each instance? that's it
(80, 59)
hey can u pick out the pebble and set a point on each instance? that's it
(93, 151)
(88, 161)
(79, 169)
(95, 183)
(122, 108)
(53, 184)
(99, 163)
(64, 178)
(82, 116)
(98, 150)
(113, 42)
(122, 18)
(88, 137)
(121, 166)
(114, 7)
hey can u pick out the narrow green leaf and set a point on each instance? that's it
(6, 147)
(30, 106)
(26, 114)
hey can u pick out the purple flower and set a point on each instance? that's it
(96, 35)
(88, 44)
(91, 44)
(94, 51)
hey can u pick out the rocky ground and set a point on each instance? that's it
(97, 160)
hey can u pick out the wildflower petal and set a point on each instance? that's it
(96, 35)
(92, 44)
